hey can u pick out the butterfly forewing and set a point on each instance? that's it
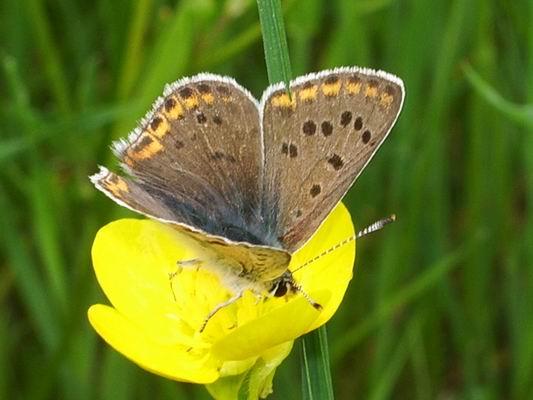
(195, 162)
(199, 151)
(317, 142)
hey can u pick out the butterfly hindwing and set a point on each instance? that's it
(243, 259)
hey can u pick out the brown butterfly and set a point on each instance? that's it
(250, 182)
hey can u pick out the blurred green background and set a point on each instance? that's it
(442, 303)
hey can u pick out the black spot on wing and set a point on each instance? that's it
(366, 136)
(336, 162)
(327, 128)
(315, 190)
(309, 128)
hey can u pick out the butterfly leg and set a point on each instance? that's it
(218, 308)
(181, 264)
(195, 262)
(259, 297)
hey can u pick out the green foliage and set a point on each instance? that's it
(274, 41)
(315, 366)
(442, 302)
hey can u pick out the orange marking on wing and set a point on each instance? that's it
(371, 91)
(116, 185)
(173, 108)
(159, 126)
(331, 89)
(145, 147)
(309, 93)
(191, 102)
(386, 99)
(129, 161)
(122, 185)
(283, 100)
(353, 87)
(208, 98)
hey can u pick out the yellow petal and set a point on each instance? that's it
(171, 361)
(277, 326)
(132, 260)
(332, 271)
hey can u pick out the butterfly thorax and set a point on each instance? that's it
(239, 265)
(262, 274)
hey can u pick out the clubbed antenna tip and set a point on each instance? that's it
(376, 226)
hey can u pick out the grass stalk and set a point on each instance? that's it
(315, 356)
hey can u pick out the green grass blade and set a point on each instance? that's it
(47, 45)
(410, 292)
(316, 376)
(315, 355)
(235, 46)
(391, 374)
(175, 42)
(521, 114)
(40, 196)
(16, 147)
(6, 347)
(133, 52)
(274, 41)
(27, 280)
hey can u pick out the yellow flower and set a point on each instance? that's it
(156, 324)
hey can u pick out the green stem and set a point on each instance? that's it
(275, 41)
(316, 375)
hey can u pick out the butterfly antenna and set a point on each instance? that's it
(376, 226)
(300, 290)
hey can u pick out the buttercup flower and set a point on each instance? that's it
(155, 321)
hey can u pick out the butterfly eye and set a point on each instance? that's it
(281, 289)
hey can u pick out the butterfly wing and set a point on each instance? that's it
(200, 151)
(318, 141)
(195, 162)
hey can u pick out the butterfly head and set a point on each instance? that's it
(283, 285)
(286, 284)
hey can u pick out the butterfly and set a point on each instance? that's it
(249, 181)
